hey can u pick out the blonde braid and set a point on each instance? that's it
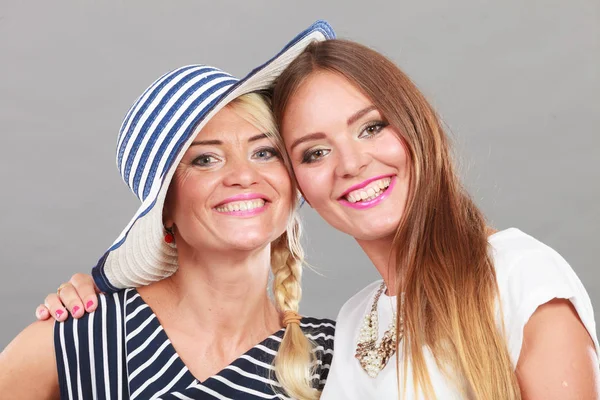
(295, 360)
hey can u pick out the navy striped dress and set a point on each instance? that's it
(121, 351)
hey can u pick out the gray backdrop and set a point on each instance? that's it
(517, 82)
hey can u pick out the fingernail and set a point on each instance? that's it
(58, 313)
(75, 309)
(42, 312)
(89, 304)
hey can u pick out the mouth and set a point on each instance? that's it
(247, 204)
(243, 205)
(369, 193)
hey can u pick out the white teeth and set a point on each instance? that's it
(241, 205)
(370, 192)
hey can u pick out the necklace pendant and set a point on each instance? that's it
(372, 357)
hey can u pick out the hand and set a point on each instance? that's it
(79, 290)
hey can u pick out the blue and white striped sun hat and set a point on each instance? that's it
(156, 132)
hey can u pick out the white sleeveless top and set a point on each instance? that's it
(529, 274)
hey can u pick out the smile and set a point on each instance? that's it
(245, 205)
(241, 206)
(369, 193)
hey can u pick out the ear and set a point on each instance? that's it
(166, 214)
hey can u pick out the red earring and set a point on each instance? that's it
(169, 237)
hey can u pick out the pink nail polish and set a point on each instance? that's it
(58, 313)
(75, 309)
(89, 304)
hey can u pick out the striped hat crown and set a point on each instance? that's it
(155, 127)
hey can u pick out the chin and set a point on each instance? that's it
(248, 240)
(375, 230)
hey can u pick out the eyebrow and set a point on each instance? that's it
(357, 115)
(307, 138)
(220, 142)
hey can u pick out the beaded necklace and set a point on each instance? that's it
(372, 357)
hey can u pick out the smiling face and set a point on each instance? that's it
(351, 166)
(231, 191)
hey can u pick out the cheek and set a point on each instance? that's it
(314, 183)
(187, 191)
(392, 151)
(280, 180)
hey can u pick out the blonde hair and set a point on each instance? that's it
(295, 360)
(443, 260)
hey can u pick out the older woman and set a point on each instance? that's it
(217, 215)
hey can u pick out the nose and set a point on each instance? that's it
(242, 173)
(352, 159)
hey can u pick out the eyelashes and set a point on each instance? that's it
(314, 155)
(368, 131)
(205, 160)
(267, 152)
(262, 154)
(372, 129)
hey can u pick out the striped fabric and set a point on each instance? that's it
(121, 351)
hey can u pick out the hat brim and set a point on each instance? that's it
(140, 255)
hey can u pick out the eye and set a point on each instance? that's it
(312, 156)
(205, 160)
(265, 153)
(372, 129)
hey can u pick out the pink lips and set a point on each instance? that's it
(244, 197)
(362, 205)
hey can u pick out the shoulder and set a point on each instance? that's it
(526, 267)
(104, 325)
(529, 275)
(89, 347)
(117, 300)
(28, 364)
(516, 253)
(107, 316)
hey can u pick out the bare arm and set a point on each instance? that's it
(28, 365)
(558, 359)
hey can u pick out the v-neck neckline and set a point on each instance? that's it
(155, 324)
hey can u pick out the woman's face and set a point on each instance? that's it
(231, 190)
(351, 166)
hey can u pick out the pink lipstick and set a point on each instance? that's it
(363, 205)
(243, 205)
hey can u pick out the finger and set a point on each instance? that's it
(69, 297)
(86, 290)
(42, 313)
(56, 308)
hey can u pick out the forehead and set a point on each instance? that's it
(322, 97)
(228, 126)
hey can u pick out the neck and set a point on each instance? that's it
(382, 254)
(220, 294)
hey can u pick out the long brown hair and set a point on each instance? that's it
(443, 261)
